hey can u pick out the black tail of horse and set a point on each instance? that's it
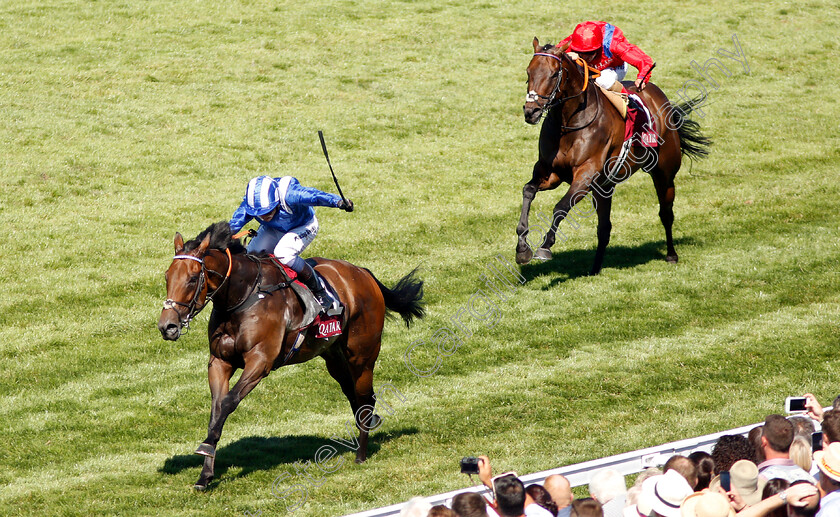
(405, 298)
(692, 142)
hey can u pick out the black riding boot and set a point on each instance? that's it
(308, 277)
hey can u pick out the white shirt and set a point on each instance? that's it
(830, 505)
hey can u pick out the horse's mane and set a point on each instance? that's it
(547, 47)
(221, 238)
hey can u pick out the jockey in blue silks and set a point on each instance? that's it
(287, 220)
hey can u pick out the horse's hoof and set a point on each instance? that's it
(205, 449)
(671, 259)
(523, 257)
(375, 421)
(543, 254)
(199, 487)
(360, 460)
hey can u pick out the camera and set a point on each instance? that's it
(795, 404)
(469, 465)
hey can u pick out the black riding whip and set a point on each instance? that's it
(327, 156)
(648, 72)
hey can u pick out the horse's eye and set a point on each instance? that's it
(193, 280)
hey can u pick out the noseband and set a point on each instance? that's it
(192, 307)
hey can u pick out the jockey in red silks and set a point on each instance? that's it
(605, 48)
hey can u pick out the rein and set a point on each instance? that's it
(550, 99)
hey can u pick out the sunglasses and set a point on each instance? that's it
(494, 478)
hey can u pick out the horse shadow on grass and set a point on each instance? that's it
(256, 453)
(577, 263)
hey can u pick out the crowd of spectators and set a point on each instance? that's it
(775, 471)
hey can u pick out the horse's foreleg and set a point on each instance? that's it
(603, 204)
(256, 368)
(219, 373)
(577, 191)
(523, 249)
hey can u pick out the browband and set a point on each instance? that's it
(189, 257)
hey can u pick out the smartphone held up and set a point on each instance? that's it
(795, 404)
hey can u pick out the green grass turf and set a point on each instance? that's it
(126, 122)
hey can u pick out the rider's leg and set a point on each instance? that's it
(607, 78)
(265, 240)
(288, 250)
(610, 78)
(308, 276)
(610, 82)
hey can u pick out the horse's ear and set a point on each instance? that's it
(202, 248)
(536, 44)
(179, 243)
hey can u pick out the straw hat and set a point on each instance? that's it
(669, 492)
(644, 503)
(707, 504)
(744, 479)
(828, 460)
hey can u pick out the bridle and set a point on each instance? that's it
(551, 102)
(533, 96)
(192, 307)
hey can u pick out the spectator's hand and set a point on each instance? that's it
(734, 499)
(485, 473)
(346, 205)
(798, 495)
(813, 408)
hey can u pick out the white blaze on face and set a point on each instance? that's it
(532, 96)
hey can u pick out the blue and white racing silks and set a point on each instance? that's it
(295, 204)
(608, 36)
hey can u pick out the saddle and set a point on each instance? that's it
(326, 326)
(640, 126)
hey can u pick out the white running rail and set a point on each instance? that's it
(580, 473)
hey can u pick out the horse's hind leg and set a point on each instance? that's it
(356, 382)
(603, 205)
(664, 184)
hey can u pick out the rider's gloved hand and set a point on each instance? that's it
(346, 205)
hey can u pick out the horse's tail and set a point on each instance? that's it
(405, 298)
(693, 143)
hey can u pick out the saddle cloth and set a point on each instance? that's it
(640, 125)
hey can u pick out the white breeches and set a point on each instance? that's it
(285, 246)
(610, 75)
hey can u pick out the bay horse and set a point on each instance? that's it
(582, 134)
(255, 323)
